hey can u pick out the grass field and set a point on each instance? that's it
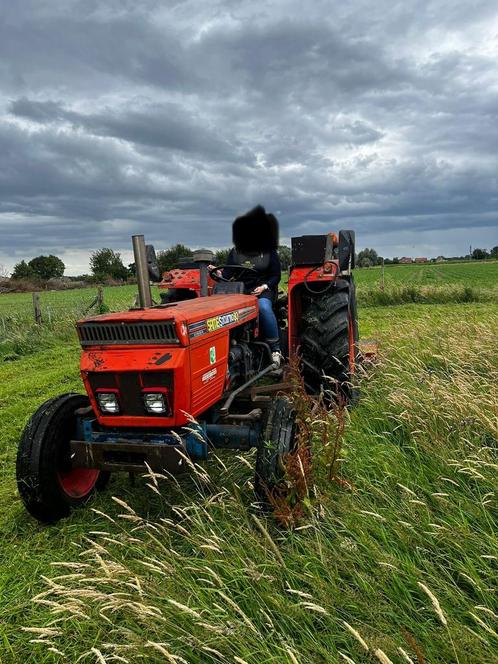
(478, 273)
(431, 284)
(398, 562)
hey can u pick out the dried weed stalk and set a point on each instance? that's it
(320, 425)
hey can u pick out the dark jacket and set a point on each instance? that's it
(268, 271)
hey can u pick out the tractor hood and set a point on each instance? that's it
(179, 350)
(179, 323)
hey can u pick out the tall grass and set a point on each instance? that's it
(396, 563)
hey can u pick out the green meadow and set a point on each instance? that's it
(395, 561)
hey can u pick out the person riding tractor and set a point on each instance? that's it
(255, 239)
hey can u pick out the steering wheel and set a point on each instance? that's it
(238, 269)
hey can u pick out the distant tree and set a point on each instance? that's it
(22, 271)
(479, 254)
(494, 252)
(367, 258)
(221, 256)
(388, 261)
(395, 260)
(168, 258)
(285, 255)
(132, 269)
(105, 263)
(379, 260)
(47, 267)
(81, 277)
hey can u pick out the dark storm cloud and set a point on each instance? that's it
(77, 49)
(118, 117)
(166, 126)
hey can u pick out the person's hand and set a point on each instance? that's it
(259, 289)
(217, 273)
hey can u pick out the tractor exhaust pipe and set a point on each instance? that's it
(143, 280)
(203, 257)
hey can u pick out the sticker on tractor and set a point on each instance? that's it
(197, 329)
(220, 321)
(209, 375)
(217, 322)
(212, 355)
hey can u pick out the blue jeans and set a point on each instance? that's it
(268, 323)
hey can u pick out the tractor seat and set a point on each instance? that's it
(229, 288)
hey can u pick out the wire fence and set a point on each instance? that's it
(20, 312)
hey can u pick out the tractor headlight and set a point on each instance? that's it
(155, 403)
(108, 402)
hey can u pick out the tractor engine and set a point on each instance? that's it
(242, 362)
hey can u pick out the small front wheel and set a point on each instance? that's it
(48, 485)
(277, 441)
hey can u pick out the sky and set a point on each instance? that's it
(171, 118)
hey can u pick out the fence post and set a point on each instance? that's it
(382, 277)
(100, 298)
(37, 308)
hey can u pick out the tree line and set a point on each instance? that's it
(107, 264)
(369, 257)
(482, 254)
(41, 268)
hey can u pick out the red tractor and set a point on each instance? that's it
(151, 372)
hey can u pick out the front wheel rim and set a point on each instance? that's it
(78, 482)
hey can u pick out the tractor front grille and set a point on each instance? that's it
(125, 333)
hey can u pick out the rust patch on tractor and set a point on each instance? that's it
(164, 358)
(96, 359)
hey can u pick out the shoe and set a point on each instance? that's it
(276, 358)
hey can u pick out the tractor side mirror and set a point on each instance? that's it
(152, 263)
(346, 250)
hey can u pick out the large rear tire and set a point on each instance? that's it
(329, 342)
(277, 441)
(47, 484)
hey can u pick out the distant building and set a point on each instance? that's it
(421, 259)
(405, 260)
(440, 259)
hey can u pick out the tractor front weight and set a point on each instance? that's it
(133, 451)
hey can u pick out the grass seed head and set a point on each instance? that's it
(435, 603)
(356, 635)
(382, 657)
